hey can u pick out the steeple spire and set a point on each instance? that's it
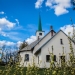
(39, 24)
(39, 32)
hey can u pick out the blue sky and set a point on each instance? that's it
(19, 18)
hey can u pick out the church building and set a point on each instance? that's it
(39, 50)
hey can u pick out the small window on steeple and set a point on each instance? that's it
(40, 33)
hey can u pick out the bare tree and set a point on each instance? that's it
(73, 3)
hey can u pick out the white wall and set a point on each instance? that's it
(57, 48)
(40, 36)
(40, 60)
(26, 63)
(44, 51)
(47, 37)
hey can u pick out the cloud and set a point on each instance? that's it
(2, 12)
(49, 3)
(11, 30)
(38, 4)
(67, 29)
(9, 43)
(19, 43)
(59, 6)
(14, 37)
(4, 23)
(3, 33)
(11, 35)
(0, 29)
(60, 10)
(17, 21)
(31, 28)
(31, 39)
(6, 43)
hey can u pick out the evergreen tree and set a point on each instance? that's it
(24, 44)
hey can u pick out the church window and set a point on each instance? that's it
(61, 41)
(47, 58)
(26, 57)
(54, 59)
(40, 33)
(62, 58)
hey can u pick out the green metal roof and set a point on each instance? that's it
(39, 24)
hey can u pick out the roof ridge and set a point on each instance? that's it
(44, 37)
(52, 37)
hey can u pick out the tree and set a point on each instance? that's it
(73, 3)
(7, 53)
(24, 44)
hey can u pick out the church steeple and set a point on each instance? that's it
(39, 32)
(39, 24)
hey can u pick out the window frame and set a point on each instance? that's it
(40, 34)
(26, 57)
(62, 58)
(54, 59)
(61, 41)
(47, 58)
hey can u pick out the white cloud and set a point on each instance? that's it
(19, 43)
(60, 10)
(10, 43)
(49, 3)
(59, 6)
(8, 29)
(2, 12)
(6, 23)
(2, 43)
(3, 33)
(67, 29)
(11, 35)
(38, 4)
(31, 39)
(7, 43)
(0, 29)
(17, 21)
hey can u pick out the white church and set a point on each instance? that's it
(40, 49)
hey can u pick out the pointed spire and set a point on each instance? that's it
(39, 24)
